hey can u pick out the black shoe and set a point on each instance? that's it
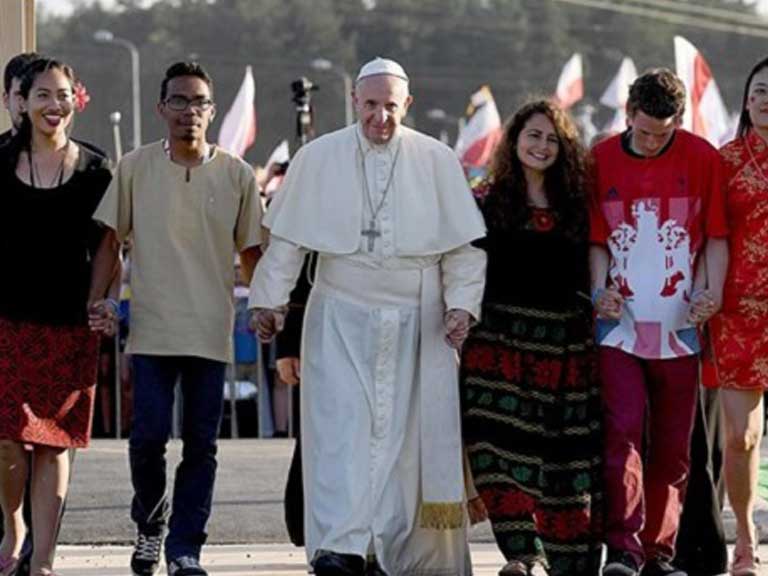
(185, 566)
(620, 563)
(333, 564)
(661, 568)
(702, 567)
(145, 559)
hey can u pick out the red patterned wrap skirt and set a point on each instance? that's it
(47, 383)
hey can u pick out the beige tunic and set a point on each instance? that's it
(186, 226)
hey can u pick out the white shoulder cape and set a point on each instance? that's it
(319, 205)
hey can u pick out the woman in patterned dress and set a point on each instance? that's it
(530, 398)
(740, 331)
(48, 354)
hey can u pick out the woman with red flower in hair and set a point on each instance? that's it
(530, 398)
(48, 352)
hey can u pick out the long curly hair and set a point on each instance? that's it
(565, 182)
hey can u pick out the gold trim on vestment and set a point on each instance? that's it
(442, 515)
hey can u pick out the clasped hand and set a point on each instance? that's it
(267, 323)
(609, 304)
(703, 307)
(457, 324)
(102, 317)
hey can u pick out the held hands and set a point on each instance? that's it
(103, 316)
(267, 323)
(703, 307)
(608, 302)
(457, 323)
(289, 370)
(477, 510)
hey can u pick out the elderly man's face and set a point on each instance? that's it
(381, 103)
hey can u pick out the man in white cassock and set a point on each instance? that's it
(397, 285)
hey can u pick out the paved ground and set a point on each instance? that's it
(246, 528)
(255, 560)
(237, 560)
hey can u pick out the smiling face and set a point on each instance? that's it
(191, 123)
(381, 103)
(538, 144)
(50, 103)
(757, 100)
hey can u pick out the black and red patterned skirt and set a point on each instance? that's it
(531, 424)
(47, 383)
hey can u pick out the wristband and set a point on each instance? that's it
(596, 293)
(115, 305)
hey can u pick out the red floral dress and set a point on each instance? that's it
(740, 331)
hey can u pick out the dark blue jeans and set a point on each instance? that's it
(202, 385)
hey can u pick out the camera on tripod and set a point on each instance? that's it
(302, 98)
(302, 91)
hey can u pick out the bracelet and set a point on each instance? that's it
(596, 293)
(115, 305)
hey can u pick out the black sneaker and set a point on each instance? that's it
(185, 566)
(620, 563)
(145, 559)
(661, 568)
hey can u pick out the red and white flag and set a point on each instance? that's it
(238, 129)
(478, 138)
(617, 93)
(705, 112)
(570, 85)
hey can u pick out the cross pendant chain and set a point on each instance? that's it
(371, 233)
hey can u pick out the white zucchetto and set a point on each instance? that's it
(382, 66)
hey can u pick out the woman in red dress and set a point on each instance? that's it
(50, 188)
(740, 331)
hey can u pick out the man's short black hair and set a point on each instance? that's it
(659, 93)
(15, 68)
(184, 69)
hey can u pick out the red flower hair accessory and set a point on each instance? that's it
(81, 96)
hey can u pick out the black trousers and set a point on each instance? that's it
(701, 547)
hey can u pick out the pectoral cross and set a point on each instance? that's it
(371, 233)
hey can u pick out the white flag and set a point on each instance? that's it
(617, 92)
(238, 129)
(570, 85)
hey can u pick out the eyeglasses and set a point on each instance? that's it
(181, 103)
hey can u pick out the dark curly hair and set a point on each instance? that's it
(506, 205)
(659, 93)
(745, 121)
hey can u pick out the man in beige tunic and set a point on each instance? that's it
(389, 212)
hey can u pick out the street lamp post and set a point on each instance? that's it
(108, 37)
(328, 66)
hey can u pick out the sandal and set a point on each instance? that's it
(515, 568)
(9, 565)
(745, 561)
